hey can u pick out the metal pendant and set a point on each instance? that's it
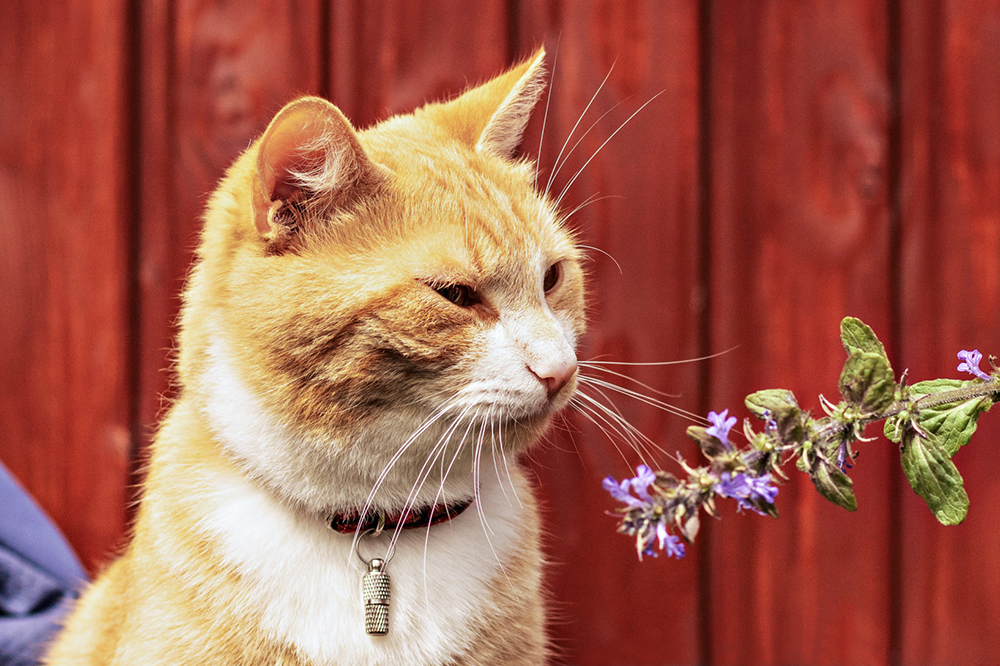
(375, 594)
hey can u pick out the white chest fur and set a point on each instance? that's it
(303, 580)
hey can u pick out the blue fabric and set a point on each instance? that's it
(39, 576)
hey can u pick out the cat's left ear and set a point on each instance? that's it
(492, 117)
(308, 155)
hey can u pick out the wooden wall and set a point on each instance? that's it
(803, 161)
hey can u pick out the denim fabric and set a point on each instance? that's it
(39, 576)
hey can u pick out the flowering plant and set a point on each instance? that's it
(930, 421)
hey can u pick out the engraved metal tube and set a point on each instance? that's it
(375, 593)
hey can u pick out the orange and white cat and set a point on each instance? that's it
(374, 320)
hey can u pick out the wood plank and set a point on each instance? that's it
(799, 228)
(63, 400)
(951, 284)
(609, 607)
(214, 73)
(391, 57)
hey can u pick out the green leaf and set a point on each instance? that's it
(775, 401)
(782, 406)
(858, 336)
(934, 477)
(833, 484)
(867, 381)
(954, 422)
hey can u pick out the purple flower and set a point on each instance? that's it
(733, 485)
(761, 488)
(640, 484)
(669, 544)
(621, 491)
(721, 426)
(970, 364)
(745, 489)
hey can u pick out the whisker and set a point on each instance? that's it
(640, 442)
(493, 454)
(592, 415)
(665, 406)
(580, 140)
(545, 118)
(594, 361)
(601, 147)
(392, 462)
(556, 165)
(584, 364)
(506, 465)
(597, 249)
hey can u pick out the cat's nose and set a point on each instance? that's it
(554, 374)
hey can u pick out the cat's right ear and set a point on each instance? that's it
(309, 157)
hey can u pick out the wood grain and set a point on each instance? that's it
(391, 57)
(214, 73)
(950, 207)
(64, 330)
(799, 228)
(642, 234)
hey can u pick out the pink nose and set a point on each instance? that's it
(554, 376)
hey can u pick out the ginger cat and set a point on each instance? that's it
(374, 320)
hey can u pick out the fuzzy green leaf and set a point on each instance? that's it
(867, 381)
(934, 477)
(955, 422)
(833, 484)
(782, 406)
(858, 336)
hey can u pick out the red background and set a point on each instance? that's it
(807, 160)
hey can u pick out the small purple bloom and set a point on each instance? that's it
(761, 488)
(730, 485)
(640, 484)
(745, 489)
(721, 426)
(970, 364)
(621, 491)
(669, 544)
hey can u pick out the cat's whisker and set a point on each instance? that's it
(545, 117)
(593, 366)
(582, 137)
(640, 441)
(590, 414)
(556, 165)
(595, 362)
(496, 468)
(425, 471)
(506, 465)
(392, 462)
(440, 496)
(601, 147)
(659, 404)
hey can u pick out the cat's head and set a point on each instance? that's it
(353, 286)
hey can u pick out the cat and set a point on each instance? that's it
(369, 315)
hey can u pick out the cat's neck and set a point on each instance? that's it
(332, 472)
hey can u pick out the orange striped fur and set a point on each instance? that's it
(375, 317)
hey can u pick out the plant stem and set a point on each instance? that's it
(929, 400)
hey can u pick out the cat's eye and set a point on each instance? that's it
(461, 295)
(552, 276)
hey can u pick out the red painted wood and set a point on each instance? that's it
(63, 331)
(391, 57)
(951, 285)
(610, 608)
(799, 240)
(214, 73)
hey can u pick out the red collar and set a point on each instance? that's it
(349, 523)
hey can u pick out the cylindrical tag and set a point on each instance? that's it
(375, 594)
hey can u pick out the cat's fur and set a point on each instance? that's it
(324, 324)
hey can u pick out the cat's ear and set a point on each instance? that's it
(308, 155)
(492, 117)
